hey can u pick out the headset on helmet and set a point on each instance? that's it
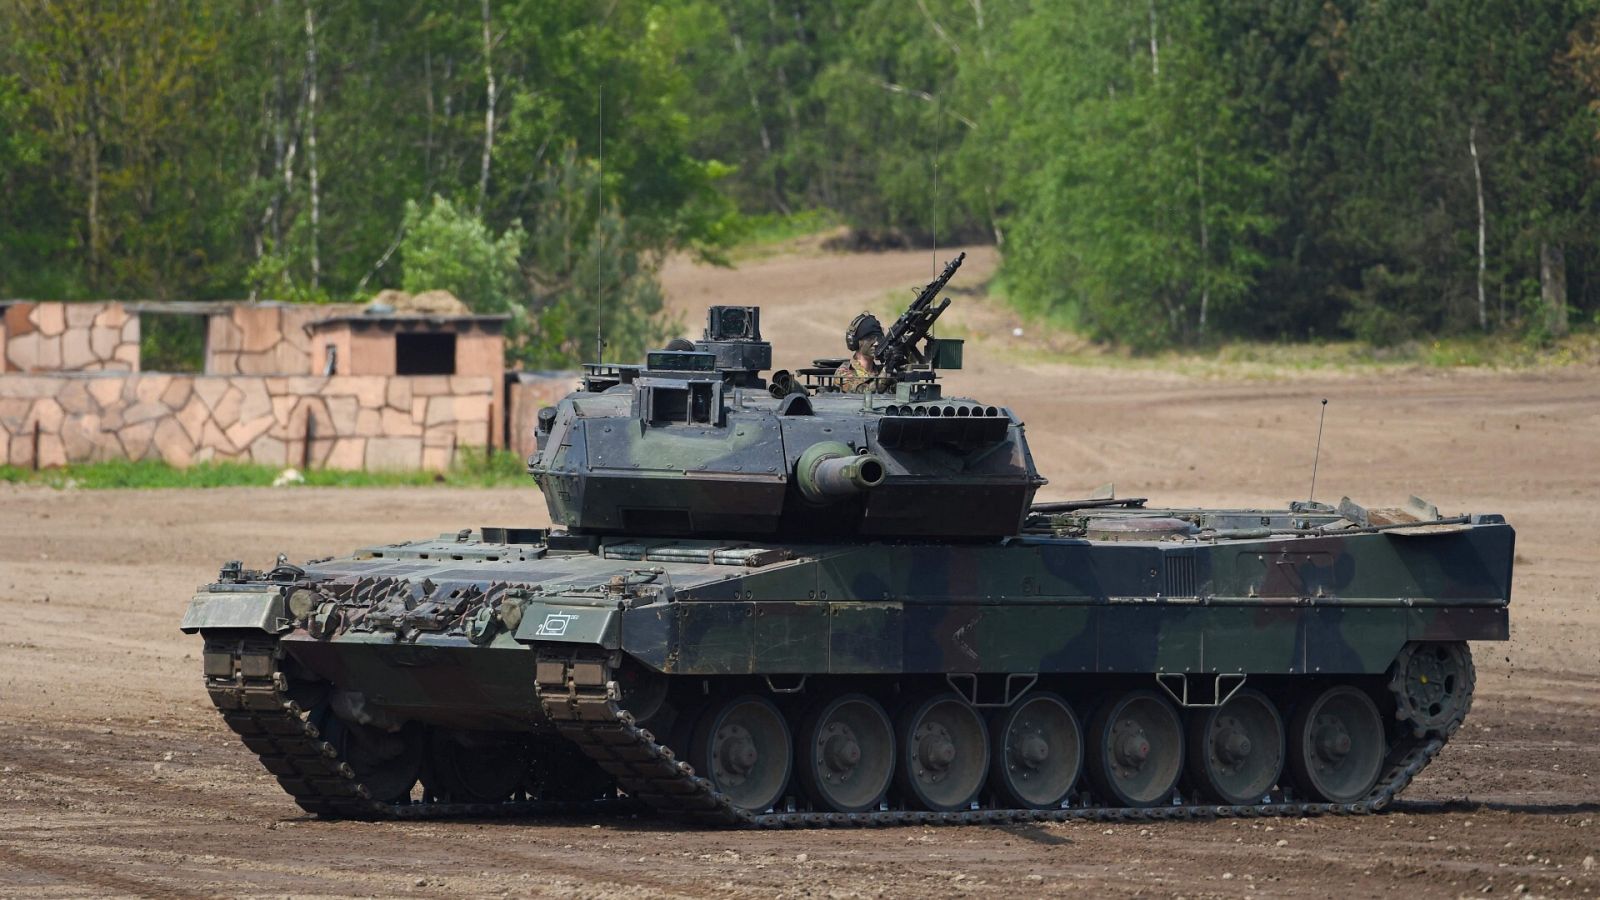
(862, 327)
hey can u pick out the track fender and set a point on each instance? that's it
(599, 626)
(260, 610)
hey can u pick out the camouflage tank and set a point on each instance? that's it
(769, 602)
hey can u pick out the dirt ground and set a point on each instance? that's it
(117, 779)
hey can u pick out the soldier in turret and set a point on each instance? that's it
(859, 373)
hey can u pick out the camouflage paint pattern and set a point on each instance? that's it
(1030, 604)
(692, 455)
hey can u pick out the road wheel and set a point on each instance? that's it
(743, 747)
(1337, 745)
(846, 750)
(1036, 752)
(943, 753)
(1236, 750)
(1136, 749)
(559, 771)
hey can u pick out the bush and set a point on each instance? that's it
(445, 248)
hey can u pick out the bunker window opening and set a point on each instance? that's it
(425, 353)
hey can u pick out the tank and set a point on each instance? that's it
(765, 601)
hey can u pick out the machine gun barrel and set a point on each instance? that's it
(899, 346)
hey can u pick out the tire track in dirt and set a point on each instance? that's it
(76, 872)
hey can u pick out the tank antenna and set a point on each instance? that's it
(938, 124)
(1317, 456)
(600, 240)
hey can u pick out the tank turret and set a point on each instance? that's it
(697, 443)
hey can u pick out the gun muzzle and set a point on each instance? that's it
(830, 471)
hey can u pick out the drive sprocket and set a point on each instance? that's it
(1432, 683)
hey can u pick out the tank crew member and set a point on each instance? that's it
(859, 373)
(679, 344)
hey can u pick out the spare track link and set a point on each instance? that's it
(582, 701)
(246, 686)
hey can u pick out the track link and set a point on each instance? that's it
(583, 702)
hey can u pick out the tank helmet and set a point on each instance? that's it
(862, 327)
(680, 344)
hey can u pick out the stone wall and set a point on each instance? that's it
(371, 422)
(51, 336)
(266, 338)
(363, 346)
(528, 392)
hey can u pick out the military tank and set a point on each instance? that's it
(769, 602)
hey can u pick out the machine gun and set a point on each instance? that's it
(899, 347)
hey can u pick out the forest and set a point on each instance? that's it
(1157, 173)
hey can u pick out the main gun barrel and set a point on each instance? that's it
(830, 471)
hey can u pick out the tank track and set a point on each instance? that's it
(255, 704)
(583, 702)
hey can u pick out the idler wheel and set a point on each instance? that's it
(1432, 686)
(1036, 752)
(1136, 749)
(846, 754)
(743, 747)
(474, 767)
(1337, 745)
(644, 693)
(1236, 750)
(944, 753)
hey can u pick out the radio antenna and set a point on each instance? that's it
(938, 124)
(1316, 457)
(600, 241)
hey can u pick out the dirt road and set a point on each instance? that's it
(116, 779)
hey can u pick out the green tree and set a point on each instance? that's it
(1137, 199)
(269, 148)
(580, 274)
(1434, 102)
(592, 277)
(445, 248)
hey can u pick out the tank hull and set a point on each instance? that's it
(581, 641)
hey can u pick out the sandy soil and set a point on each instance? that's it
(116, 779)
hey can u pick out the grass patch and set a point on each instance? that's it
(503, 469)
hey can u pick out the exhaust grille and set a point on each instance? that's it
(1180, 577)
